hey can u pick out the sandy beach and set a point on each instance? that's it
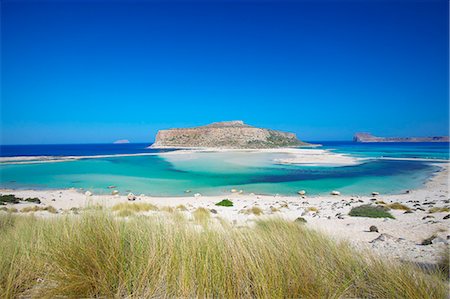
(398, 238)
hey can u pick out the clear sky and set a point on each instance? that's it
(97, 71)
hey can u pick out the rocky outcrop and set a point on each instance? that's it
(121, 141)
(367, 137)
(230, 134)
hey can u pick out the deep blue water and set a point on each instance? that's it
(396, 150)
(74, 149)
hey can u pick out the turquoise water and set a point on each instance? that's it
(217, 173)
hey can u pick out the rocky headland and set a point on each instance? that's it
(229, 134)
(367, 137)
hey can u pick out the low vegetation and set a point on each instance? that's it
(370, 211)
(12, 199)
(398, 206)
(438, 210)
(9, 210)
(201, 215)
(135, 207)
(9, 198)
(49, 209)
(312, 209)
(253, 210)
(165, 255)
(225, 203)
(181, 208)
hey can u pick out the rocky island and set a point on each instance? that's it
(367, 137)
(227, 134)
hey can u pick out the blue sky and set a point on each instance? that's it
(78, 71)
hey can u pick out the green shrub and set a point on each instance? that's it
(225, 203)
(370, 211)
(33, 200)
(9, 198)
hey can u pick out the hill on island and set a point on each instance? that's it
(227, 134)
(367, 137)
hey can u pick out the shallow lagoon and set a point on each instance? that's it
(215, 173)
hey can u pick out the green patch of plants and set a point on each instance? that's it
(12, 199)
(9, 198)
(370, 211)
(33, 200)
(225, 203)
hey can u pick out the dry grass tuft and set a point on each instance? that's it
(253, 210)
(438, 210)
(9, 210)
(49, 209)
(181, 208)
(312, 209)
(398, 206)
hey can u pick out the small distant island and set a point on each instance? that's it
(227, 134)
(367, 137)
(121, 141)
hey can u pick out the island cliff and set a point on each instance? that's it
(367, 137)
(229, 134)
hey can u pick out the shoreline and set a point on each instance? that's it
(401, 237)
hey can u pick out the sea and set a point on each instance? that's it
(388, 168)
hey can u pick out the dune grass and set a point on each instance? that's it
(370, 211)
(9, 210)
(201, 215)
(134, 207)
(99, 255)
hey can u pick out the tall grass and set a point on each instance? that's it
(166, 255)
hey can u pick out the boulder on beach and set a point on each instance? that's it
(115, 192)
(88, 193)
(373, 229)
(301, 192)
(131, 196)
(335, 192)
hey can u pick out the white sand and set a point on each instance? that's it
(407, 230)
(298, 156)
